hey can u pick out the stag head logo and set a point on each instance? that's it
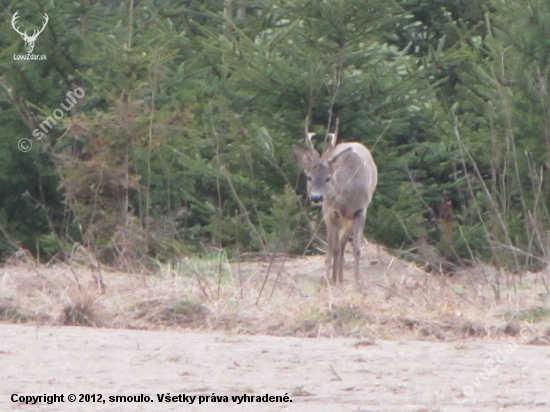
(29, 40)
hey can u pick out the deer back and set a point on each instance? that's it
(354, 178)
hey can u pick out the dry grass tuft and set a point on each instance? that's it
(285, 297)
(82, 310)
(10, 313)
(182, 312)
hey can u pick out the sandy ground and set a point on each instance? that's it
(339, 374)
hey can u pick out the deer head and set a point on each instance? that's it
(29, 40)
(317, 167)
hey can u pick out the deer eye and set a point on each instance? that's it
(327, 179)
(308, 178)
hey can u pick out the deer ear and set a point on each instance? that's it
(302, 157)
(341, 157)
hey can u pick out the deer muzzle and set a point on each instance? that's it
(316, 198)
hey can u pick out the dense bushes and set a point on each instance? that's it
(183, 141)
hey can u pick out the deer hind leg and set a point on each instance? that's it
(330, 261)
(341, 249)
(336, 248)
(358, 226)
(345, 227)
(328, 265)
(335, 265)
(338, 261)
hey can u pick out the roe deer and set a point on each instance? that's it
(343, 179)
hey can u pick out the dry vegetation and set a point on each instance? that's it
(282, 296)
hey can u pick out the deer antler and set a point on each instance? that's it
(334, 136)
(35, 32)
(308, 135)
(13, 19)
(24, 34)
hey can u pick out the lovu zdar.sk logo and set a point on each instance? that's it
(29, 40)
